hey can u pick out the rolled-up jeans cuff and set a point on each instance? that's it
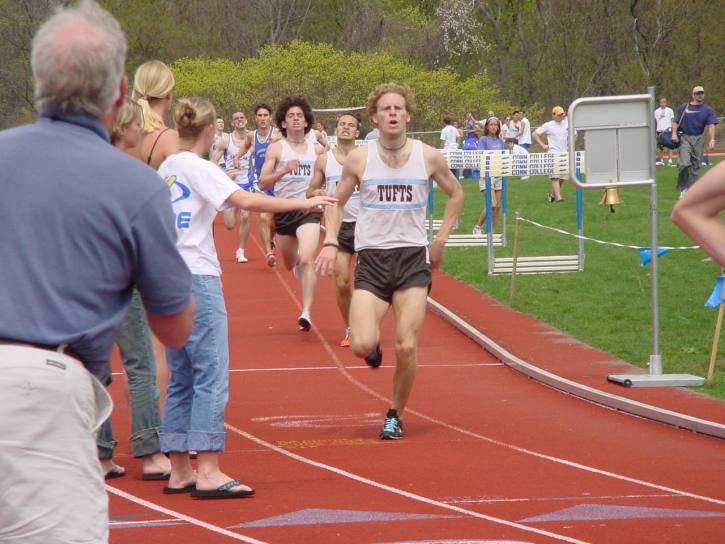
(145, 442)
(105, 449)
(206, 441)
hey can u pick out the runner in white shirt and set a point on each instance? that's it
(243, 176)
(557, 137)
(328, 170)
(288, 167)
(664, 116)
(220, 139)
(197, 393)
(394, 256)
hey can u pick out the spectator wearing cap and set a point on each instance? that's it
(557, 138)
(693, 119)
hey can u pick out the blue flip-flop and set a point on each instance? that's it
(223, 492)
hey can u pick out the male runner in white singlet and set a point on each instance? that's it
(258, 141)
(220, 138)
(243, 175)
(328, 170)
(288, 167)
(394, 258)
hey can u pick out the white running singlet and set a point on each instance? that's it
(333, 173)
(245, 173)
(294, 185)
(392, 202)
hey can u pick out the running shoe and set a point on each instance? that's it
(345, 342)
(375, 358)
(477, 230)
(392, 428)
(271, 259)
(304, 322)
(550, 197)
(239, 256)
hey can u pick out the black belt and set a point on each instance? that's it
(66, 350)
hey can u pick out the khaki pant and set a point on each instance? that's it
(51, 486)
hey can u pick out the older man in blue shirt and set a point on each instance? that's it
(692, 120)
(81, 224)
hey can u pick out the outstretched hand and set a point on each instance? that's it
(317, 202)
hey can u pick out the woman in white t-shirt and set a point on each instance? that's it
(198, 390)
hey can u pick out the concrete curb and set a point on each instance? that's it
(647, 411)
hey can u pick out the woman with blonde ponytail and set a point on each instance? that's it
(198, 390)
(153, 89)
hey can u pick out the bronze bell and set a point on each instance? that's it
(611, 198)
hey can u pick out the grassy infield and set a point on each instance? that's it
(607, 305)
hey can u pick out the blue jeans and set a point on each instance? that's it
(198, 390)
(137, 354)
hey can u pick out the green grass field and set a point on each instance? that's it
(607, 306)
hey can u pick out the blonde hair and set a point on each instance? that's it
(397, 88)
(153, 80)
(129, 112)
(193, 115)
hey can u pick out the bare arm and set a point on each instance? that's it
(223, 145)
(711, 136)
(317, 183)
(441, 174)
(540, 142)
(257, 202)
(269, 175)
(173, 330)
(243, 148)
(698, 213)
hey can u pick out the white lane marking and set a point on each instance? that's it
(349, 367)
(328, 348)
(184, 517)
(486, 500)
(396, 491)
(369, 419)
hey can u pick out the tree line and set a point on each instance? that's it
(457, 54)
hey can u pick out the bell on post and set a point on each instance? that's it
(610, 198)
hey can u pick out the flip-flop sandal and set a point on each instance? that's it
(156, 476)
(223, 492)
(178, 490)
(114, 472)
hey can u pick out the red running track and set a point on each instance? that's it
(489, 455)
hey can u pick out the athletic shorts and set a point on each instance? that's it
(288, 222)
(496, 183)
(346, 237)
(384, 271)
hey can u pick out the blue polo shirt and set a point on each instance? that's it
(81, 224)
(695, 119)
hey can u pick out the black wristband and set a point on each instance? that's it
(331, 244)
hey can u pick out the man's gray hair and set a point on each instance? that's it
(78, 58)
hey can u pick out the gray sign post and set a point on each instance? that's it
(619, 140)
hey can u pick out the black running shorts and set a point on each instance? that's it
(287, 223)
(346, 238)
(384, 271)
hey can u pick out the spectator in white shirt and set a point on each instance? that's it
(524, 133)
(557, 137)
(449, 139)
(663, 117)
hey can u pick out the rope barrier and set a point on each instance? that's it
(602, 242)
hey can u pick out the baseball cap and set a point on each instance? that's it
(698, 89)
(557, 110)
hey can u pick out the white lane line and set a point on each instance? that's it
(328, 348)
(348, 367)
(396, 491)
(356, 367)
(484, 500)
(184, 517)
